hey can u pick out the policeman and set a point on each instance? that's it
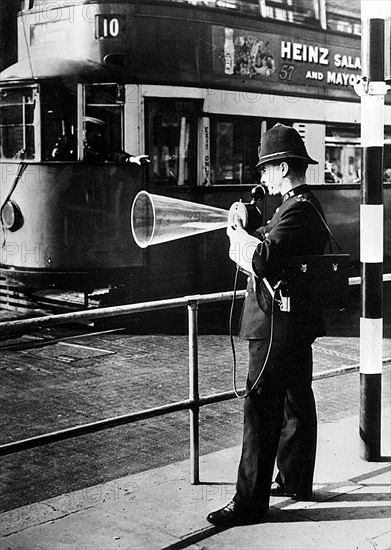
(279, 410)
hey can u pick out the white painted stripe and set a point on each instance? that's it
(371, 345)
(372, 121)
(371, 233)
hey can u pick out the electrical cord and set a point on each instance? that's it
(234, 365)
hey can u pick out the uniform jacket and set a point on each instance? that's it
(295, 229)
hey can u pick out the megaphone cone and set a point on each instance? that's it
(156, 219)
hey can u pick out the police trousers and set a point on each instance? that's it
(280, 424)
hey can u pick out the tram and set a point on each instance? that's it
(193, 84)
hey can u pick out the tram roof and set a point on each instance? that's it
(49, 67)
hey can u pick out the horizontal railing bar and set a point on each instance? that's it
(357, 280)
(93, 427)
(225, 396)
(113, 311)
(217, 397)
(141, 307)
(335, 372)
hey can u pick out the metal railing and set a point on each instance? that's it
(194, 401)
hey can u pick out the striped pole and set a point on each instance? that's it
(371, 229)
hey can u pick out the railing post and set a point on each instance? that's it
(192, 309)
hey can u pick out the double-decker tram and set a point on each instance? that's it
(193, 85)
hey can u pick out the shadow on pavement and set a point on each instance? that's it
(194, 538)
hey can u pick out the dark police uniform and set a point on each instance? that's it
(284, 388)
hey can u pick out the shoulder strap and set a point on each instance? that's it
(303, 199)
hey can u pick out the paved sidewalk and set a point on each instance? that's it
(160, 509)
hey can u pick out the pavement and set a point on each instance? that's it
(161, 509)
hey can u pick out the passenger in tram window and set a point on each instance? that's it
(332, 174)
(387, 175)
(23, 154)
(329, 177)
(357, 179)
(63, 150)
(96, 148)
(280, 420)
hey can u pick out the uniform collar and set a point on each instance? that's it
(295, 191)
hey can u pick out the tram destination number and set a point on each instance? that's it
(109, 26)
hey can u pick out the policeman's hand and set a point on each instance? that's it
(139, 159)
(242, 247)
(238, 235)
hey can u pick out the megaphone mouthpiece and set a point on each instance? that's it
(258, 193)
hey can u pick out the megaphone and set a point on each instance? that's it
(158, 219)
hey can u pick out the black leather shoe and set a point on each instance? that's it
(278, 490)
(233, 514)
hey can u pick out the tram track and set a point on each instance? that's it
(39, 342)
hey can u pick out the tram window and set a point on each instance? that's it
(343, 154)
(58, 114)
(233, 150)
(249, 6)
(103, 121)
(172, 140)
(344, 16)
(17, 116)
(294, 11)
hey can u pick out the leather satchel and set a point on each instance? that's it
(317, 282)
